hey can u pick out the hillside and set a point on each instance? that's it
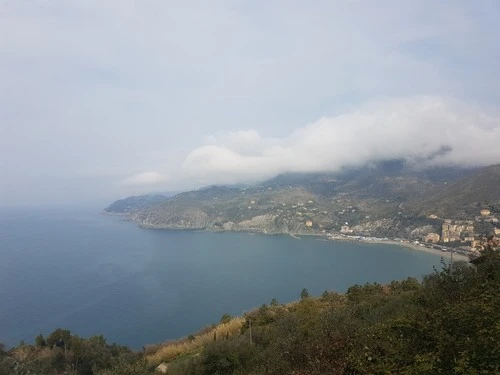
(387, 200)
(134, 204)
(463, 198)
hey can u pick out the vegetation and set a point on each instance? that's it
(446, 324)
(386, 200)
(193, 345)
(62, 352)
(134, 204)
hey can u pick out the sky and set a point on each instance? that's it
(104, 99)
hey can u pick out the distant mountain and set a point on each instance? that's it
(392, 180)
(464, 197)
(384, 199)
(134, 204)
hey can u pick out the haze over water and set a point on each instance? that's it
(96, 274)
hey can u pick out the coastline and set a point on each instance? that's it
(408, 245)
(372, 240)
(365, 240)
(443, 254)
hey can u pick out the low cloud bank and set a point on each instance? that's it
(151, 178)
(427, 131)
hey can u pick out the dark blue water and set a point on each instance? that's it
(98, 274)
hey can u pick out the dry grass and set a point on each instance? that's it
(26, 353)
(170, 351)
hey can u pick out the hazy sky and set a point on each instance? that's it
(101, 99)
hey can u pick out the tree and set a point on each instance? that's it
(227, 357)
(92, 354)
(226, 318)
(304, 294)
(263, 309)
(60, 337)
(40, 341)
(274, 302)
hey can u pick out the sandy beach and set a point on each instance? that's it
(445, 254)
(411, 246)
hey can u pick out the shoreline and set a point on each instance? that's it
(371, 240)
(336, 237)
(407, 245)
(413, 247)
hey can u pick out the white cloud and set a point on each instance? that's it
(146, 179)
(425, 130)
(104, 89)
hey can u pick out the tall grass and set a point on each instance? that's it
(190, 346)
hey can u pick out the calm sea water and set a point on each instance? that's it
(98, 274)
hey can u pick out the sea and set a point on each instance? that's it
(96, 274)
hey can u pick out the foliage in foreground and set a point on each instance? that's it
(447, 324)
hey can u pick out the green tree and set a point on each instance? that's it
(263, 309)
(227, 357)
(226, 318)
(40, 341)
(304, 294)
(91, 355)
(60, 337)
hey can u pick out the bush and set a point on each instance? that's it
(226, 318)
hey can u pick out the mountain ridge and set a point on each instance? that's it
(383, 200)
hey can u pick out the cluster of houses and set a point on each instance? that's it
(459, 235)
(462, 231)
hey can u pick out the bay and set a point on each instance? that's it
(97, 274)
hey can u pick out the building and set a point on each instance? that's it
(432, 216)
(309, 223)
(345, 229)
(432, 237)
(476, 245)
(456, 230)
(485, 212)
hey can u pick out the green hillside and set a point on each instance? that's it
(134, 204)
(464, 197)
(385, 200)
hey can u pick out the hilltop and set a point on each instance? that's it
(134, 204)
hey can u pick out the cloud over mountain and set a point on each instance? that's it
(425, 130)
(93, 92)
(149, 179)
